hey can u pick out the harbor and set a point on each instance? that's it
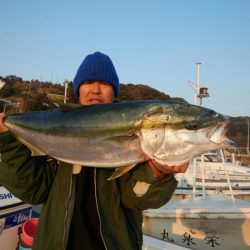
(125, 125)
(210, 209)
(197, 217)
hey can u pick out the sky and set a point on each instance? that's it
(152, 42)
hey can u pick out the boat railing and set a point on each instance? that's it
(203, 176)
(238, 155)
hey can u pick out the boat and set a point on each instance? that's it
(212, 173)
(150, 243)
(204, 212)
(214, 222)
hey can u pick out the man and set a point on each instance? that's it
(82, 209)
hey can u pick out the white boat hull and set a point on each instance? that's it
(200, 226)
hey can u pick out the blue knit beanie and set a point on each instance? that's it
(99, 67)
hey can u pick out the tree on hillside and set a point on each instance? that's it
(132, 92)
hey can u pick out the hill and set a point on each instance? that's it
(238, 131)
(35, 95)
(136, 92)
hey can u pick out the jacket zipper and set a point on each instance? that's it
(98, 211)
(66, 212)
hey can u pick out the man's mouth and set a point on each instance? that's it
(95, 100)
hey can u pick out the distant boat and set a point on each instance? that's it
(217, 174)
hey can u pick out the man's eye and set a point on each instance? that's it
(89, 82)
(105, 83)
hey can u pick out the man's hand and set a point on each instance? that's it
(160, 171)
(3, 128)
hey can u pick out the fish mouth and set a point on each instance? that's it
(218, 134)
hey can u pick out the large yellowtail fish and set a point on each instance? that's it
(123, 134)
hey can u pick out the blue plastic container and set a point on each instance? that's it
(24, 248)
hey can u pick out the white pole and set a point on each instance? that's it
(194, 179)
(233, 158)
(228, 180)
(65, 90)
(248, 136)
(198, 75)
(1, 83)
(203, 177)
(198, 80)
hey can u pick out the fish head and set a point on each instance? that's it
(187, 131)
(210, 125)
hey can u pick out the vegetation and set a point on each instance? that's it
(35, 95)
(238, 131)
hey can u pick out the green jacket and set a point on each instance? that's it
(120, 202)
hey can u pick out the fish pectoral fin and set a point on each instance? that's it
(34, 151)
(120, 171)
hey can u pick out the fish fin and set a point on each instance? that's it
(76, 169)
(34, 151)
(120, 171)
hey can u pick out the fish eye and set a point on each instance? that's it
(192, 126)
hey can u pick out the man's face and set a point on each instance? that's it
(96, 92)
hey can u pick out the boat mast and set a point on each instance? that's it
(248, 135)
(200, 92)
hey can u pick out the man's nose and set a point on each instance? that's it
(96, 87)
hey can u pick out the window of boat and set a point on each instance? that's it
(212, 158)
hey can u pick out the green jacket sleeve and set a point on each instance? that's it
(28, 178)
(140, 190)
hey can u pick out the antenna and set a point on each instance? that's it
(200, 92)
